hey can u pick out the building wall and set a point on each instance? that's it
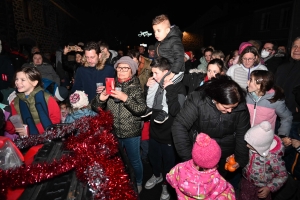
(7, 28)
(39, 24)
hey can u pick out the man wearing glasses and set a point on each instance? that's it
(268, 55)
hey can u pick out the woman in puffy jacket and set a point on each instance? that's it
(126, 107)
(218, 108)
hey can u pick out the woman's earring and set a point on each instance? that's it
(213, 101)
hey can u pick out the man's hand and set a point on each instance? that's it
(286, 141)
(66, 50)
(100, 89)
(167, 83)
(263, 192)
(295, 143)
(169, 77)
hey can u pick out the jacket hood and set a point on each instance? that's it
(209, 181)
(202, 60)
(174, 31)
(113, 53)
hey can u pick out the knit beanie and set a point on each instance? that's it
(79, 99)
(206, 152)
(187, 55)
(61, 93)
(261, 138)
(243, 45)
(127, 60)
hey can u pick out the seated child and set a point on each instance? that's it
(265, 172)
(80, 107)
(64, 110)
(199, 178)
(169, 46)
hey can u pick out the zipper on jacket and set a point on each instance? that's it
(254, 111)
(157, 49)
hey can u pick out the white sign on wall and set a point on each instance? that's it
(144, 34)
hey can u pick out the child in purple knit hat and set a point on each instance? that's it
(199, 178)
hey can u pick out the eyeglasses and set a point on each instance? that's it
(248, 59)
(122, 69)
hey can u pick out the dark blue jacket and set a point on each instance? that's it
(87, 77)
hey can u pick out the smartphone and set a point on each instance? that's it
(109, 85)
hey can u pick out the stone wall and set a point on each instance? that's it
(44, 24)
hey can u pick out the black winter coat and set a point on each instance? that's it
(287, 77)
(172, 49)
(227, 129)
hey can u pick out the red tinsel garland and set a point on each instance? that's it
(94, 159)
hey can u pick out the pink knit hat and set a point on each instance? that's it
(206, 152)
(243, 45)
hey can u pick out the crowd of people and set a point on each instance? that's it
(183, 115)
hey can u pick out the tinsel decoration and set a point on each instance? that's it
(95, 159)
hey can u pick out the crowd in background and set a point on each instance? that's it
(179, 108)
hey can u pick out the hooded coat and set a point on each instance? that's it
(172, 49)
(190, 183)
(267, 171)
(203, 65)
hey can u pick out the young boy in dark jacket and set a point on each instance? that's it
(161, 148)
(169, 46)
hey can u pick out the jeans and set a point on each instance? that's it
(161, 154)
(132, 148)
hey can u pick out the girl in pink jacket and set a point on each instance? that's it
(265, 102)
(199, 178)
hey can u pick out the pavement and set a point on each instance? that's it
(154, 193)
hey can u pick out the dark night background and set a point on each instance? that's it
(127, 19)
(51, 24)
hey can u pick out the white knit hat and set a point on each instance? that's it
(261, 138)
(79, 99)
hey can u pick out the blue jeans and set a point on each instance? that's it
(132, 148)
(161, 155)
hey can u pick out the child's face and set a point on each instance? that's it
(207, 56)
(158, 74)
(161, 30)
(212, 70)
(37, 59)
(252, 85)
(63, 107)
(24, 84)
